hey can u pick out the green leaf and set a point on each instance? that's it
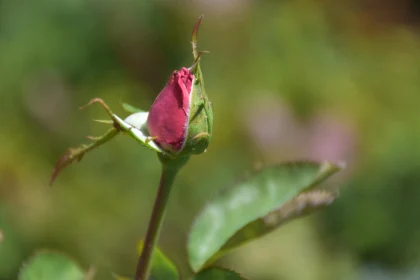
(218, 274)
(47, 265)
(162, 267)
(303, 204)
(257, 206)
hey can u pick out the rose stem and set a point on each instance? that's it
(170, 168)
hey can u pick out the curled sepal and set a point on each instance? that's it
(200, 122)
(134, 125)
(194, 37)
(76, 154)
(131, 109)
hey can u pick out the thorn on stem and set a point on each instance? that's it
(150, 138)
(99, 101)
(93, 138)
(104, 121)
(193, 67)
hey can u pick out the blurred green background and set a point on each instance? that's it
(303, 79)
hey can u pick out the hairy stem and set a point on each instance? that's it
(170, 169)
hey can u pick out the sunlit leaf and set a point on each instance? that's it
(46, 265)
(257, 206)
(217, 274)
(303, 204)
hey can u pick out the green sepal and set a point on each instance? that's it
(76, 154)
(131, 109)
(135, 126)
(200, 122)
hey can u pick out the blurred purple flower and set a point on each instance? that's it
(280, 135)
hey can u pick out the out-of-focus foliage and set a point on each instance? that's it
(50, 266)
(305, 79)
(218, 273)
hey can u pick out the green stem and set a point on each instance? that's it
(170, 168)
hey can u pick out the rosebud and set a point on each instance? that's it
(180, 120)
